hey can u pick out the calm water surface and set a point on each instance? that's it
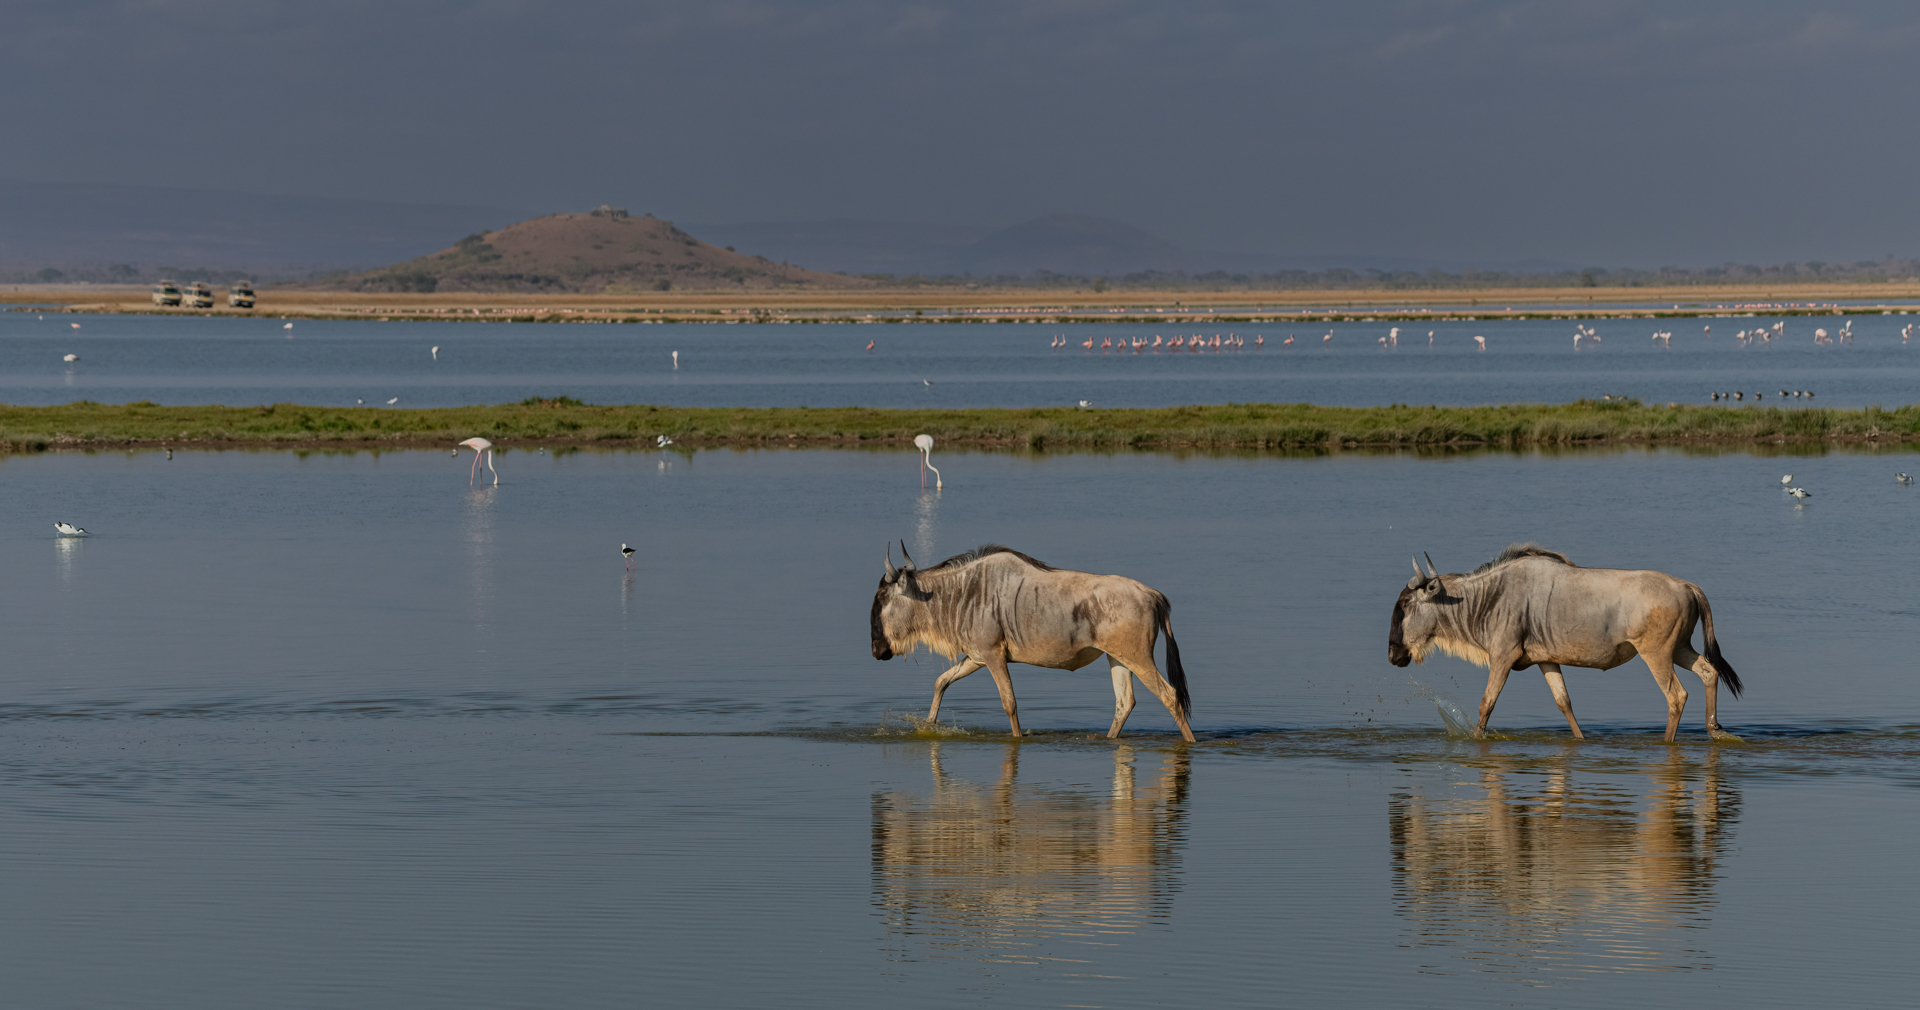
(195, 360)
(314, 730)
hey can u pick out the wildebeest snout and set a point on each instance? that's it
(881, 650)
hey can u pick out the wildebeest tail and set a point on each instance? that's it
(1712, 652)
(1176, 674)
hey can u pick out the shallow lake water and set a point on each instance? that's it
(323, 729)
(198, 360)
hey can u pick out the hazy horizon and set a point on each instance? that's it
(1603, 133)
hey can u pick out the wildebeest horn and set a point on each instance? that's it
(1422, 576)
(890, 559)
(1432, 572)
(904, 554)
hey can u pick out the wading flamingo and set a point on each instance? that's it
(481, 445)
(925, 444)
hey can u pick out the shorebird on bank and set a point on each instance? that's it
(70, 530)
(479, 446)
(662, 442)
(627, 553)
(393, 401)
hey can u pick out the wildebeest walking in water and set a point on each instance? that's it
(1531, 605)
(995, 606)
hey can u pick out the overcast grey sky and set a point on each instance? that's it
(1616, 133)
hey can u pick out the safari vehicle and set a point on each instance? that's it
(166, 293)
(240, 296)
(197, 295)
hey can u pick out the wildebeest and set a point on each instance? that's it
(1531, 605)
(995, 606)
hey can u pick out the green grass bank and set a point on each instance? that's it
(565, 421)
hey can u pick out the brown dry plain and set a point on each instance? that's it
(947, 304)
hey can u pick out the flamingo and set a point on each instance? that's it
(436, 353)
(1482, 341)
(676, 361)
(1260, 341)
(869, 347)
(71, 358)
(925, 444)
(480, 445)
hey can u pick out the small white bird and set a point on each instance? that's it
(169, 453)
(70, 530)
(627, 553)
(393, 401)
(358, 402)
(71, 358)
(1799, 492)
(1084, 404)
(926, 382)
(1903, 478)
(662, 442)
(1786, 480)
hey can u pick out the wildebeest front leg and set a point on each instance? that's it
(1003, 679)
(1498, 666)
(1122, 695)
(1558, 685)
(960, 669)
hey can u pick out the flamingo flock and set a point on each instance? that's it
(1193, 344)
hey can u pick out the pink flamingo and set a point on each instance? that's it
(869, 345)
(481, 445)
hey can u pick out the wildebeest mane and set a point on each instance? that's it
(1515, 552)
(968, 557)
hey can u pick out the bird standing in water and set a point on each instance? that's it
(627, 553)
(479, 446)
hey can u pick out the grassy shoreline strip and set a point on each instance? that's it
(565, 421)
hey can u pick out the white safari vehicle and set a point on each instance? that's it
(240, 296)
(166, 293)
(197, 295)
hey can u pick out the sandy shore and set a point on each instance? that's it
(957, 305)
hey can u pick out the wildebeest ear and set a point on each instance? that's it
(912, 585)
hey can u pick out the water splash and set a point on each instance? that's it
(1459, 727)
(905, 724)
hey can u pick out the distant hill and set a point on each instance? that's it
(605, 250)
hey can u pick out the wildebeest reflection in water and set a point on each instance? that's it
(1557, 870)
(1014, 873)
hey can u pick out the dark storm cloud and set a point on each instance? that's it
(1602, 132)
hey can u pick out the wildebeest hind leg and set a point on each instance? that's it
(1143, 667)
(1660, 661)
(1003, 679)
(1558, 685)
(1122, 696)
(1683, 655)
(959, 670)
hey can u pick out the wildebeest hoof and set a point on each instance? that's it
(1722, 736)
